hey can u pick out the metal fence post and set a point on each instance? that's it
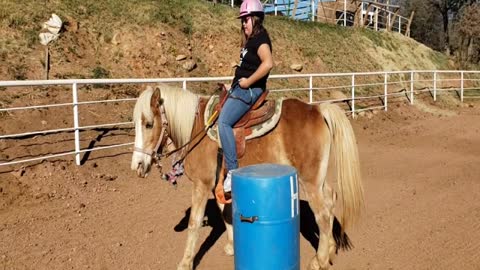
(412, 77)
(385, 91)
(400, 25)
(389, 20)
(461, 86)
(232, 3)
(353, 95)
(344, 13)
(184, 85)
(312, 5)
(274, 6)
(435, 86)
(311, 88)
(76, 124)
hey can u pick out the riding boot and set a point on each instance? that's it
(227, 185)
(220, 193)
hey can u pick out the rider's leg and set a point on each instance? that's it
(238, 103)
(232, 111)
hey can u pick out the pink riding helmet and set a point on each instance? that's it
(250, 8)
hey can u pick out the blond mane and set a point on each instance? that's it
(180, 108)
(142, 107)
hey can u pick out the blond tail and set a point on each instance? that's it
(346, 162)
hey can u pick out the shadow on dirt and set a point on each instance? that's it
(310, 231)
(308, 228)
(103, 133)
(92, 144)
(213, 218)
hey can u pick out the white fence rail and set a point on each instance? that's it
(360, 91)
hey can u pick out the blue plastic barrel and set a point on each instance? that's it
(266, 217)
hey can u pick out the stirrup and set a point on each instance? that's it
(224, 196)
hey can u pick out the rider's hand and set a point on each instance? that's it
(244, 83)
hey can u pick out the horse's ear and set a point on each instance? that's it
(156, 98)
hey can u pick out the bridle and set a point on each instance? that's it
(161, 139)
(156, 155)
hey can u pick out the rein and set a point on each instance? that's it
(204, 131)
(164, 136)
(208, 125)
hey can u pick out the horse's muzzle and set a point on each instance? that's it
(141, 165)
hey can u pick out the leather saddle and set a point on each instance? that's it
(261, 111)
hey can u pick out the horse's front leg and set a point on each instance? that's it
(199, 201)
(228, 225)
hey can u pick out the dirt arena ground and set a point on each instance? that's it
(421, 173)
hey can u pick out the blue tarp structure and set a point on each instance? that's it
(285, 7)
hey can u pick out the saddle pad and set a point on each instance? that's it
(257, 130)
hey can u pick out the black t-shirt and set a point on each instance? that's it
(249, 60)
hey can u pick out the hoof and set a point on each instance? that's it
(185, 266)
(228, 249)
(315, 265)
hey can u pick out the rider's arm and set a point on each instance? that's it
(265, 56)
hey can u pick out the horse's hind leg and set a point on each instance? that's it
(200, 194)
(330, 198)
(322, 203)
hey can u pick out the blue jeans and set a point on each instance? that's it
(237, 104)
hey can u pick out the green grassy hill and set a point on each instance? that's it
(142, 38)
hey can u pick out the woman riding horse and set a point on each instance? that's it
(250, 80)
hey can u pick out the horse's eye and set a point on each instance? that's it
(149, 125)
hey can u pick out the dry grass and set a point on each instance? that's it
(140, 38)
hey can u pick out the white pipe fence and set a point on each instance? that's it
(341, 14)
(361, 87)
(378, 18)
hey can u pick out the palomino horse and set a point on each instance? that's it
(304, 138)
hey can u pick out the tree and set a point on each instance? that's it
(469, 31)
(448, 10)
(436, 22)
(426, 26)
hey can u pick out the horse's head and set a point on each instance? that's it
(150, 130)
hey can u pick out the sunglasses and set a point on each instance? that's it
(245, 19)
